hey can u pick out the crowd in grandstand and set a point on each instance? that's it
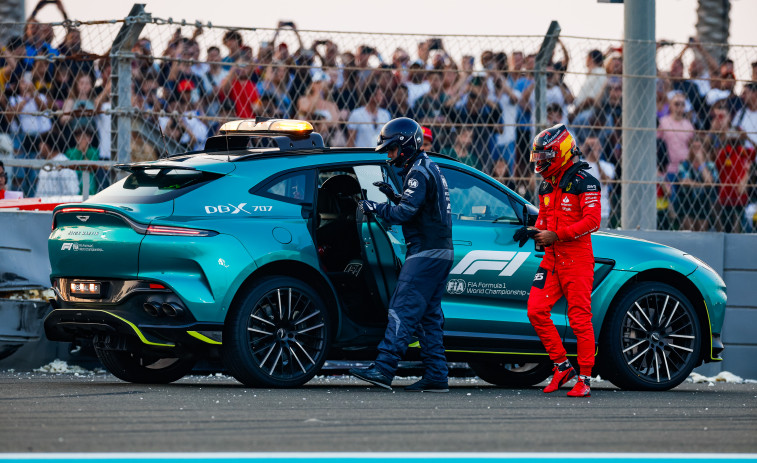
(479, 108)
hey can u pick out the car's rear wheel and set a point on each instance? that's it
(146, 368)
(276, 335)
(652, 340)
(509, 374)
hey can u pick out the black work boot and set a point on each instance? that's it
(373, 375)
(427, 385)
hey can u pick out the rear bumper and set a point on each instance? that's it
(110, 327)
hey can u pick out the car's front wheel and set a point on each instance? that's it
(652, 340)
(277, 334)
(146, 368)
(509, 374)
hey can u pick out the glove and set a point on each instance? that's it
(388, 191)
(367, 207)
(523, 234)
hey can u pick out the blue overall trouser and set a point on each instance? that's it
(416, 310)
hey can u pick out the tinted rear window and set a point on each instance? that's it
(155, 185)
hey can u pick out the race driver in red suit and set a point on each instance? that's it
(569, 210)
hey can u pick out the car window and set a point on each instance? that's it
(472, 198)
(291, 187)
(369, 174)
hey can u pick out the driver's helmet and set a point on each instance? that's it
(552, 149)
(403, 133)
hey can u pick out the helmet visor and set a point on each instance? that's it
(542, 155)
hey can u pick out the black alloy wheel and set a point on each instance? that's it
(653, 340)
(278, 336)
(506, 373)
(146, 368)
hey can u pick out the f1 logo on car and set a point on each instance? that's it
(505, 261)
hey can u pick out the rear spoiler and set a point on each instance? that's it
(213, 168)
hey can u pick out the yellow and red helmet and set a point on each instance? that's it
(552, 149)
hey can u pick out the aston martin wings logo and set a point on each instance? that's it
(505, 262)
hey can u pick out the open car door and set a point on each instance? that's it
(383, 246)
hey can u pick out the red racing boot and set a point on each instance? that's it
(582, 387)
(562, 373)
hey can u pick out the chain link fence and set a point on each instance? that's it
(80, 96)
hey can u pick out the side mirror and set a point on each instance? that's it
(529, 219)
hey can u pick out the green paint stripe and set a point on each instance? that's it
(202, 338)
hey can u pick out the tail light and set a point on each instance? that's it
(177, 231)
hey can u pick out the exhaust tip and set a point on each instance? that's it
(153, 309)
(172, 310)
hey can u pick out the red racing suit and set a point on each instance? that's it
(569, 205)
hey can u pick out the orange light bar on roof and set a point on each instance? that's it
(283, 126)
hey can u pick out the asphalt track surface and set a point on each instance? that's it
(98, 413)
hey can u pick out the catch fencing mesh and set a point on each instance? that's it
(475, 93)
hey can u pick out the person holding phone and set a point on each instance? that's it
(569, 211)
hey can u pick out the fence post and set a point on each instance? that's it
(120, 61)
(543, 58)
(639, 160)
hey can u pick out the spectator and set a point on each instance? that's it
(592, 87)
(745, 120)
(348, 97)
(54, 180)
(524, 132)
(602, 171)
(754, 71)
(26, 104)
(722, 89)
(462, 149)
(428, 139)
(362, 57)
(177, 130)
(239, 88)
(84, 151)
(275, 84)
(316, 101)
(366, 121)
(556, 93)
(676, 131)
(417, 85)
(431, 111)
(197, 131)
(79, 61)
(79, 107)
(4, 192)
(474, 109)
(696, 194)
(507, 98)
(12, 56)
(232, 40)
(733, 164)
(398, 102)
(216, 73)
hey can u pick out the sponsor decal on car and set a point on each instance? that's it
(480, 288)
(80, 247)
(505, 262)
(232, 209)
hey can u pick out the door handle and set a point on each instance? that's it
(462, 243)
